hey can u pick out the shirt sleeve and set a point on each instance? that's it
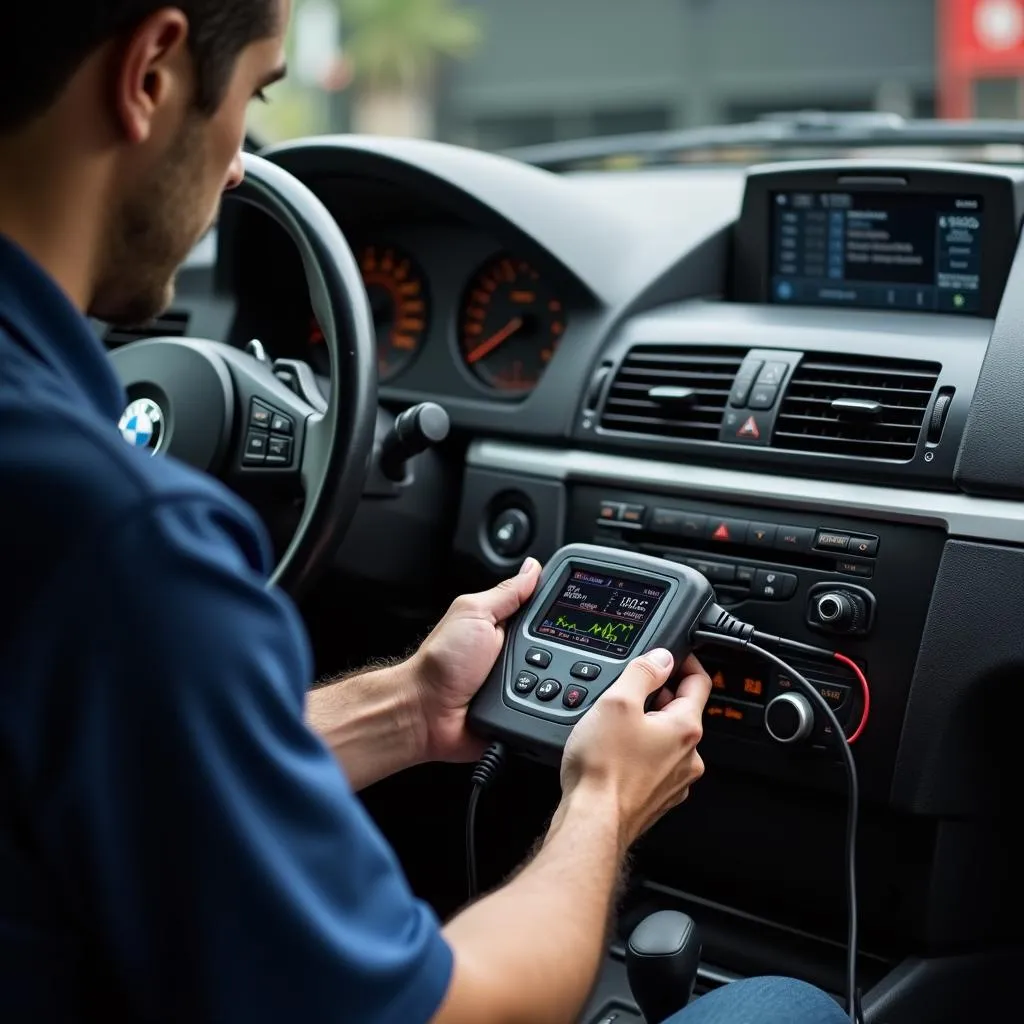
(212, 852)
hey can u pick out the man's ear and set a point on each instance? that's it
(153, 70)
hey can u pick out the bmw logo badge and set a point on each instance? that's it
(142, 425)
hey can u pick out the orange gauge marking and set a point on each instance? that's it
(398, 299)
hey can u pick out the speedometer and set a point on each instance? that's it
(398, 299)
(510, 326)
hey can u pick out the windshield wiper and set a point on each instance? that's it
(800, 134)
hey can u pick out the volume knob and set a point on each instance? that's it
(789, 718)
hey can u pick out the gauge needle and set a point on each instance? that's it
(487, 347)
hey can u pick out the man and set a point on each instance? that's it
(176, 842)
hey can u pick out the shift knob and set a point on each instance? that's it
(661, 962)
(416, 430)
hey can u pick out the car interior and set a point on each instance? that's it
(802, 380)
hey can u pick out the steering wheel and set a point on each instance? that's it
(225, 412)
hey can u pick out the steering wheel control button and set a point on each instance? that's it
(585, 670)
(549, 690)
(525, 682)
(795, 538)
(279, 451)
(510, 532)
(538, 657)
(281, 424)
(770, 585)
(828, 541)
(260, 415)
(574, 696)
(255, 448)
(863, 547)
(727, 531)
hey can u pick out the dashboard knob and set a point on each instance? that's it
(836, 610)
(789, 718)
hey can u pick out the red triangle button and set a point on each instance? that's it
(749, 429)
(722, 533)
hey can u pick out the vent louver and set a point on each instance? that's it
(172, 324)
(867, 408)
(672, 391)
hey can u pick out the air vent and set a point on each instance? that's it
(672, 391)
(868, 408)
(172, 324)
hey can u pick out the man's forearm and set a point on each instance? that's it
(372, 723)
(529, 953)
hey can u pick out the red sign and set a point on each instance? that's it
(977, 39)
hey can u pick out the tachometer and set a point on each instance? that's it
(510, 326)
(397, 290)
(400, 305)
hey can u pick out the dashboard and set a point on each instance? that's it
(801, 379)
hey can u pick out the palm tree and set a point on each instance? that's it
(394, 47)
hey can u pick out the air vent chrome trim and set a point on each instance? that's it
(961, 515)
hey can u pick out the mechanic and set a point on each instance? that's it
(177, 841)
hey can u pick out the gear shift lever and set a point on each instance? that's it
(661, 962)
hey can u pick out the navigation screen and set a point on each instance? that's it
(600, 613)
(877, 249)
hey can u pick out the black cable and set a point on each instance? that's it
(736, 638)
(483, 774)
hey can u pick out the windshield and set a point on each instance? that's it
(618, 84)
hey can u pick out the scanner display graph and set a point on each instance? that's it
(599, 612)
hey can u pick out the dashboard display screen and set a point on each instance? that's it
(598, 612)
(877, 249)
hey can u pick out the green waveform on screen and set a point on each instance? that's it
(612, 632)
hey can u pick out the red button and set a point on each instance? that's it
(574, 696)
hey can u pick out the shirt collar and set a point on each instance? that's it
(41, 317)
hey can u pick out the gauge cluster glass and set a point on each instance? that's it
(510, 325)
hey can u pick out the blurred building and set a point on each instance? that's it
(558, 69)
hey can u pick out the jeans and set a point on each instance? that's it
(763, 1001)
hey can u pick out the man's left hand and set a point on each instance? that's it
(453, 662)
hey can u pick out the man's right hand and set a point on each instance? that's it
(647, 760)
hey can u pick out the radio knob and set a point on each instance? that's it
(836, 610)
(789, 718)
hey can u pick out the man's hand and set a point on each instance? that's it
(453, 662)
(647, 760)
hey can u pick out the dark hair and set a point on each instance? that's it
(48, 40)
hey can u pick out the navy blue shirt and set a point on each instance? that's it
(174, 842)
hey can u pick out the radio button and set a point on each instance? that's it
(525, 682)
(828, 541)
(538, 657)
(863, 547)
(794, 538)
(549, 690)
(739, 715)
(852, 568)
(762, 535)
(834, 695)
(773, 586)
(633, 514)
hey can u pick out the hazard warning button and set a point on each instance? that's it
(727, 531)
(742, 426)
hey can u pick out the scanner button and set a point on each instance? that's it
(585, 670)
(574, 696)
(538, 657)
(525, 682)
(549, 689)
